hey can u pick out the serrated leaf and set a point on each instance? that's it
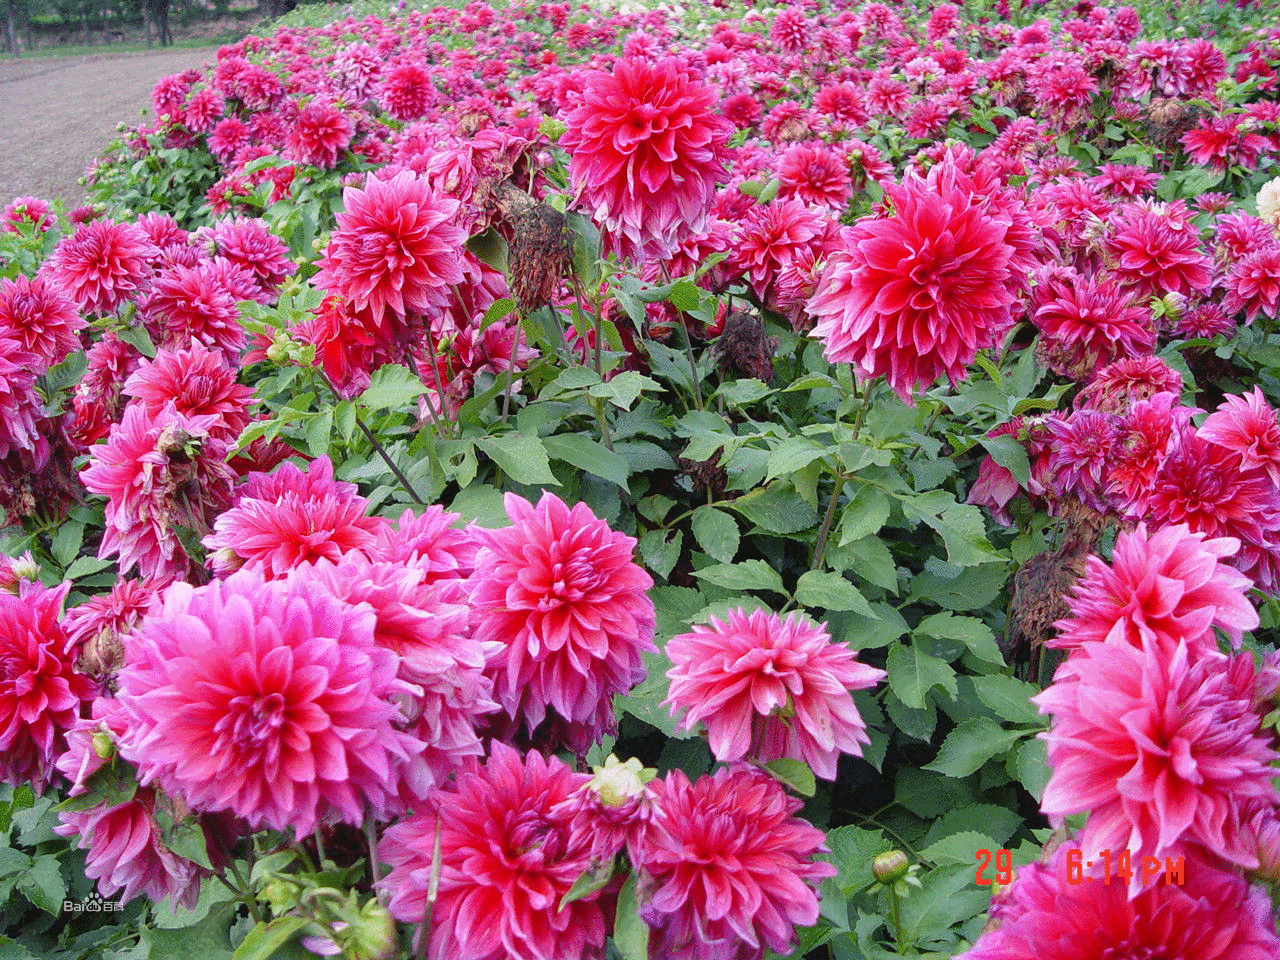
(852, 850)
(930, 795)
(716, 532)
(67, 541)
(990, 820)
(589, 455)
(522, 458)
(685, 295)
(43, 884)
(970, 745)
(623, 389)
(1010, 698)
(630, 933)
(794, 774)
(831, 591)
(866, 512)
(913, 673)
(84, 566)
(497, 310)
(392, 387)
(1030, 767)
(266, 938)
(318, 432)
(589, 881)
(948, 897)
(1009, 453)
(792, 454)
(976, 636)
(959, 847)
(748, 575)
(13, 861)
(187, 840)
(778, 508)
(960, 525)
(344, 416)
(138, 337)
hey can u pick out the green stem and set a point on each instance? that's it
(242, 888)
(603, 422)
(895, 917)
(693, 364)
(371, 838)
(820, 546)
(433, 889)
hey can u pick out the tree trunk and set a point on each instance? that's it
(11, 27)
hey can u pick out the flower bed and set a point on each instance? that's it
(537, 482)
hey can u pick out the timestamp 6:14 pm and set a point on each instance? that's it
(1121, 867)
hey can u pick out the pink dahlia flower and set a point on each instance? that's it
(406, 92)
(1214, 915)
(268, 699)
(198, 304)
(1155, 254)
(1160, 588)
(125, 849)
(396, 249)
(1118, 386)
(561, 592)
(248, 243)
(321, 133)
(915, 295)
(1148, 432)
(726, 870)
(27, 210)
(97, 400)
(1086, 324)
(40, 318)
(1084, 447)
(40, 691)
(1247, 425)
(817, 175)
(506, 862)
(427, 626)
(767, 688)
(429, 542)
(159, 472)
(1160, 748)
(98, 626)
(287, 518)
(198, 382)
(647, 150)
(20, 404)
(101, 265)
(1253, 285)
(773, 237)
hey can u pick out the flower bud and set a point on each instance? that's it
(889, 868)
(103, 745)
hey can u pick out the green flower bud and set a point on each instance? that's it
(889, 868)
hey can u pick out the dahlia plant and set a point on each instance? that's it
(452, 507)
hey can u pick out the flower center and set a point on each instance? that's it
(252, 724)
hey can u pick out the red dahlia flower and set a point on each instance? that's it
(1247, 425)
(916, 295)
(40, 318)
(321, 132)
(198, 382)
(726, 870)
(507, 859)
(647, 151)
(101, 265)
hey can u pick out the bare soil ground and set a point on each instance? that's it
(57, 114)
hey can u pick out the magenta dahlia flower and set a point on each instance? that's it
(1084, 446)
(1247, 425)
(915, 295)
(98, 626)
(269, 699)
(40, 691)
(1118, 386)
(1159, 747)
(647, 150)
(506, 861)
(20, 405)
(817, 175)
(427, 626)
(159, 471)
(561, 592)
(726, 869)
(125, 848)
(248, 244)
(767, 687)
(286, 518)
(1253, 285)
(1148, 432)
(1214, 915)
(429, 542)
(1160, 588)
(321, 133)
(40, 318)
(406, 91)
(1086, 323)
(1155, 254)
(198, 382)
(396, 249)
(101, 265)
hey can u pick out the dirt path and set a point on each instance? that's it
(57, 114)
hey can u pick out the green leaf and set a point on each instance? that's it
(959, 524)
(84, 566)
(660, 553)
(187, 840)
(43, 884)
(852, 850)
(913, 673)
(792, 454)
(590, 881)
(970, 745)
(866, 512)
(497, 310)
(748, 575)
(318, 432)
(778, 508)
(522, 458)
(66, 542)
(1010, 454)
(959, 847)
(630, 933)
(13, 861)
(716, 532)
(344, 416)
(831, 591)
(1009, 698)
(970, 631)
(623, 389)
(209, 938)
(685, 295)
(1030, 767)
(589, 455)
(948, 897)
(794, 774)
(137, 336)
(392, 387)
(266, 938)
(990, 820)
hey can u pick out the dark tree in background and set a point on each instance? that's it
(276, 8)
(155, 18)
(11, 17)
